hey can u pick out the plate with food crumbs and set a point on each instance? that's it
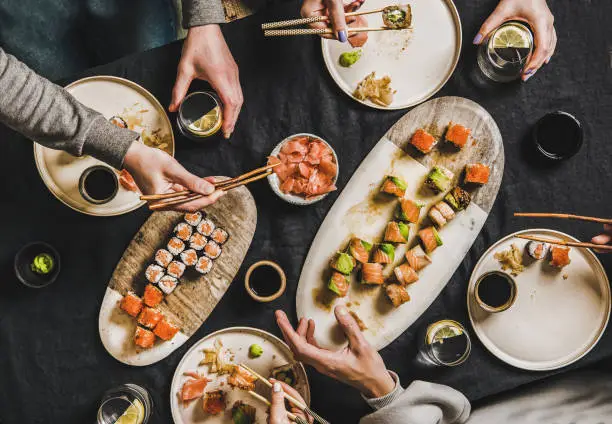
(562, 305)
(397, 69)
(125, 104)
(209, 386)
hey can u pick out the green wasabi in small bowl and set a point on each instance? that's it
(348, 59)
(43, 264)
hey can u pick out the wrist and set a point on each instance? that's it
(133, 154)
(379, 386)
(204, 30)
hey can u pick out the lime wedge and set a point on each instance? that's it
(133, 415)
(206, 122)
(510, 36)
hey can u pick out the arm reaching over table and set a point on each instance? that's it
(360, 366)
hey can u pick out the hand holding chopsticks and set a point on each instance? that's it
(293, 417)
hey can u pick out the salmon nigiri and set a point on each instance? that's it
(417, 258)
(360, 250)
(384, 254)
(405, 274)
(372, 273)
(397, 232)
(409, 210)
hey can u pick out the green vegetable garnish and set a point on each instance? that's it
(43, 264)
(348, 59)
(333, 284)
(396, 15)
(343, 263)
(404, 229)
(389, 249)
(400, 183)
(437, 237)
(243, 413)
(255, 351)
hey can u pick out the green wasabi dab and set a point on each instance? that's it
(255, 351)
(43, 264)
(348, 59)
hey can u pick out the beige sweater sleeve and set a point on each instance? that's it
(202, 12)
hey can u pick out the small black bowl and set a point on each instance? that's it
(23, 262)
(558, 135)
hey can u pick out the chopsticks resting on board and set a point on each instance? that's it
(319, 31)
(292, 417)
(564, 216)
(313, 19)
(567, 243)
(159, 201)
(290, 398)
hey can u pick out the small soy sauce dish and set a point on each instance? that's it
(37, 264)
(98, 184)
(558, 136)
(495, 291)
(265, 281)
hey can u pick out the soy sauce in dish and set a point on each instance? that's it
(495, 290)
(558, 135)
(264, 281)
(98, 184)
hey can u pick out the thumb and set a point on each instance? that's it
(350, 327)
(335, 10)
(183, 81)
(493, 21)
(278, 413)
(190, 181)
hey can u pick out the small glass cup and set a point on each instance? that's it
(128, 402)
(444, 343)
(505, 62)
(199, 115)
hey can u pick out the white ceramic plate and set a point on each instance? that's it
(555, 321)
(237, 339)
(419, 60)
(110, 96)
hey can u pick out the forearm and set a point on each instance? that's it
(202, 12)
(49, 115)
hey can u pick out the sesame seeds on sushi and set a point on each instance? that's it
(165, 330)
(458, 198)
(131, 304)
(183, 231)
(144, 338)
(175, 246)
(439, 179)
(423, 141)
(167, 284)
(477, 173)
(338, 283)
(193, 218)
(152, 296)
(197, 241)
(154, 273)
(189, 257)
(212, 250)
(397, 232)
(149, 317)
(394, 186)
(457, 134)
(176, 269)
(204, 265)
(206, 227)
(163, 257)
(430, 239)
(219, 235)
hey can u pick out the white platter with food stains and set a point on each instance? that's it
(559, 314)
(418, 60)
(360, 211)
(111, 96)
(236, 341)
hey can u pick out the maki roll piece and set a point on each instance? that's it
(430, 239)
(144, 338)
(537, 250)
(360, 250)
(149, 317)
(397, 232)
(409, 210)
(417, 258)
(175, 246)
(439, 179)
(204, 265)
(189, 257)
(212, 250)
(436, 217)
(152, 296)
(214, 402)
(447, 212)
(163, 257)
(131, 304)
(154, 273)
(405, 274)
(219, 235)
(118, 121)
(338, 283)
(384, 254)
(176, 269)
(559, 256)
(457, 134)
(395, 186)
(197, 242)
(165, 330)
(458, 198)
(343, 263)
(167, 284)
(372, 273)
(423, 141)
(206, 227)
(477, 173)
(183, 231)
(193, 219)
(397, 17)
(398, 295)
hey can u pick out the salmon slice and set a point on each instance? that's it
(131, 304)
(397, 294)
(152, 295)
(144, 338)
(559, 256)
(430, 239)
(328, 166)
(360, 250)
(214, 402)
(409, 210)
(372, 273)
(394, 185)
(396, 232)
(194, 388)
(405, 274)
(417, 258)
(165, 330)
(339, 284)
(423, 141)
(477, 173)
(287, 185)
(305, 169)
(384, 254)
(360, 38)
(242, 379)
(457, 134)
(127, 181)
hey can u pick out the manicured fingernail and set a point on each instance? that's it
(477, 39)
(342, 36)
(342, 310)
(548, 60)
(227, 134)
(276, 387)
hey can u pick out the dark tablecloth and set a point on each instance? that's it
(53, 367)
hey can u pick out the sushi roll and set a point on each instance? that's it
(417, 258)
(537, 250)
(193, 218)
(477, 173)
(397, 294)
(559, 256)
(372, 273)
(360, 250)
(183, 231)
(175, 246)
(384, 254)
(447, 212)
(118, 121)
(197, 242)
(176, 269)
(189, 257)
(219, 235)
(212, 250)
(457, 134)
(131, 304)
(395, 186)
(397, 232)
(338, 283)
(423, 141)
(149, 317)
(144, 338)
(167, 284)
(204, 265)
(152, 296)
(397, 16)
(165, 330)
(439, 179)
(343, 263)
(430, 239)
(206, 227)
(458, 198)
(405, 274)
(154, 273)
(436, 217)
(409, 210)
(163, 257)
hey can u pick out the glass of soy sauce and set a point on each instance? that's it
(98, 184)
(558, 135)
(265, 281)
(495, 291)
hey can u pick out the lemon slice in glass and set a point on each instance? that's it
(511, 36)
(133, 415)
(446, 332)
(208, 122)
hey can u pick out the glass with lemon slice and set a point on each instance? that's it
(445, 343)
(126, 404)
(504, 53)
(200, 115)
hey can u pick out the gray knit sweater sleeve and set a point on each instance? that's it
(202, 12)
(49, 115)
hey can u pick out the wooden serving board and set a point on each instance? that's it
(362, 212)
(194, 298)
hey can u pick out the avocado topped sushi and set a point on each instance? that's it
(409, 210)
(338, 283)
(343, 263)
(395, 186)
(384, 253)
(360, 250)
(439, 179)
(458, 198)
(430, 239)
(397, 232)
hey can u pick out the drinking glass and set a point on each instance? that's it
(199, 115)
(444, 343)
(126, 404)
(503, 54)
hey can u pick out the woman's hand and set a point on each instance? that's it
(539, 17)
(357, 365)
(336, 10)
(603, 238)
(156, 172)
(278, 411)
(206, 56)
